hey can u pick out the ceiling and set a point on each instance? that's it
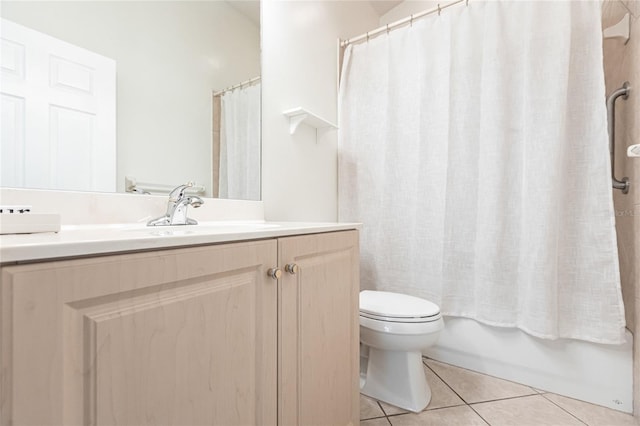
(383, 6)
(251, 8)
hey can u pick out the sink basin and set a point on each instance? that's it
(203, 228)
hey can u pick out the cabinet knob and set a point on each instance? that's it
(274, 273)
(291, 268)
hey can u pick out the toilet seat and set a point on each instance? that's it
(402, 328)
(395, 307)
(401, 319)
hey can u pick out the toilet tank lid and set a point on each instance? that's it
(384, 303)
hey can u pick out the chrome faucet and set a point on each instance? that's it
(177, 208)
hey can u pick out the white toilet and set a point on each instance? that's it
(394, 329)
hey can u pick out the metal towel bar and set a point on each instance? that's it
(611, 116)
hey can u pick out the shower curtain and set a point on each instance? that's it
(240, 144)
(473, 148)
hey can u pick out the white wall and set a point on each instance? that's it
(170, 56)
(300, 60)
(407, 8)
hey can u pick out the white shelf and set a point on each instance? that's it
(620, 30)
(300, 115)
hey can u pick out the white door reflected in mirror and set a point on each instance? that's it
(58, 113)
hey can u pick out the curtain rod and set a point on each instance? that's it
(399, 23)
(244, 83)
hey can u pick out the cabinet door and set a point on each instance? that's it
(173, 337)
(319, 330)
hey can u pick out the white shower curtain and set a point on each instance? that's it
(473, 147)
(240, 144)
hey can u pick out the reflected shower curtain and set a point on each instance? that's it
(240, 144)
(473, 147)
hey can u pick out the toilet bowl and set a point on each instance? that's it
(394, 330)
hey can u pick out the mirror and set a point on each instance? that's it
(182, 85)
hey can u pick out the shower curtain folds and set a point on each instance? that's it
(240, 143)
(473, 147)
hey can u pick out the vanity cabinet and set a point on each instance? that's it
(185, 336)
(318, 327)
(192, 336)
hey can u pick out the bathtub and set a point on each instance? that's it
(600, 374)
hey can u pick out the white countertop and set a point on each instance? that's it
(84, 240)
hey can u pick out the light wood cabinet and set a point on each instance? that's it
(319, 330)
(182, 336)
(186, 336)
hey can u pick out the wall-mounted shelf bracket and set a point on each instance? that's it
(621, 29)
(300, 115)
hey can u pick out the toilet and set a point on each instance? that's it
(394, 330)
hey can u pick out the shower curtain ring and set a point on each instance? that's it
(367, 36)
(387, 29)
(467, 3)
(439, 10)
(411, 21)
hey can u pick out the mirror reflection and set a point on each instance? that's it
(131, 96)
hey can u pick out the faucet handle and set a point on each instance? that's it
(178, 192)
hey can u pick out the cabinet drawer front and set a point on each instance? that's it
(183, 336)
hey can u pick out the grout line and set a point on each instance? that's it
(424, 411)
(533, 391)
(474, 372)
(373, 418)
(376, 418)
(471, 404)
(503, 399)
(447, 406)
(436, 409)
(463, 400)
(444, 381)
(566, 411)
(427, 409)
(382, 408)
(479, 415)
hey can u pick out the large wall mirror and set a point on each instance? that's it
(135, 96)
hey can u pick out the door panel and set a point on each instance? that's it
(49, 76)
(12, 134)
(174, 337)
(319, 330)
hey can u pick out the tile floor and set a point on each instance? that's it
(465, 398)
